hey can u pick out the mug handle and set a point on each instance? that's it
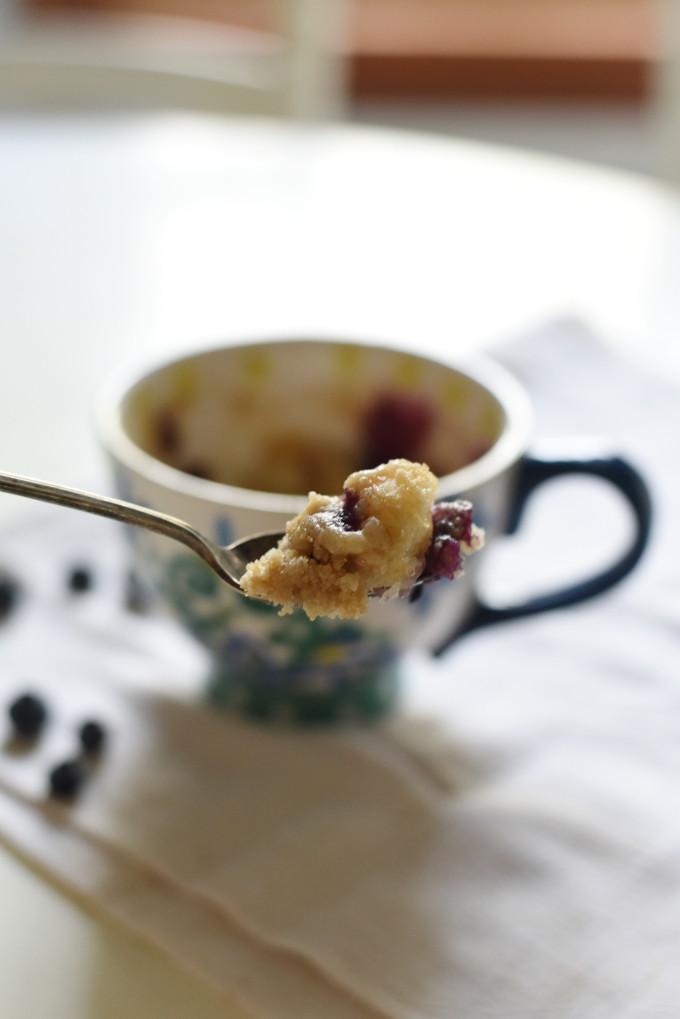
(534, 470)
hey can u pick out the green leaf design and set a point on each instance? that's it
(196, 595)
(187, 576)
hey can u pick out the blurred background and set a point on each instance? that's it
(590, 79)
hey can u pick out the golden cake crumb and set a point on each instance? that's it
(341, 549)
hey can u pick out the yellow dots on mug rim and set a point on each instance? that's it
(256, 367)
(407, 370)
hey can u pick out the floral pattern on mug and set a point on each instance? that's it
(283, 663)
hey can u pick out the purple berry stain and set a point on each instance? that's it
(396, 425)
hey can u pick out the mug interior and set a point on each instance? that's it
(291, 416)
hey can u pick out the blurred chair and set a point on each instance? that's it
(148, 61)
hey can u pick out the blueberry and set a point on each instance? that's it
(453, 520)
(79, 579)
(349, 513)
(28, 713)
(9, 593)
(92, 736)
(66, 779)
(444, 558)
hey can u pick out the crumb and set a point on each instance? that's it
(340, 550)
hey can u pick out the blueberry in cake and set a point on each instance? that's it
(376, 539)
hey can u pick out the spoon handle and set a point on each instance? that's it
(116, 509)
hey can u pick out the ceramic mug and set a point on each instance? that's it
(232, 439)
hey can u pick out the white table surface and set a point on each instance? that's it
(127, 236)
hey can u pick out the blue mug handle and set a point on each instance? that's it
(534, 470)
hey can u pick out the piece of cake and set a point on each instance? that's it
(376, 539)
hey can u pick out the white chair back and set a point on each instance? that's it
(124, 61)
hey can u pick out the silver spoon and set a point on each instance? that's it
(229, 562)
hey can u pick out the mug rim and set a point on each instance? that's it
(510, 445)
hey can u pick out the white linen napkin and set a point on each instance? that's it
(507, 845)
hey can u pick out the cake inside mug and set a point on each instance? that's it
(376, 539)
